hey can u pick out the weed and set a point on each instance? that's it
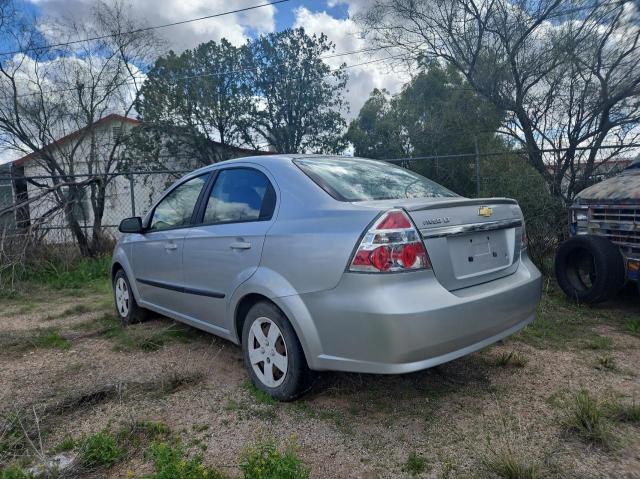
(608, 362)
(513, 358)
(265, 461)
(599, 343)
(257, 394)
(588, 421)
(633, 325)
(101, 449)
(171, 462)
(507, 464)
(415, 464)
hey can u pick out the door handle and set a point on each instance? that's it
(240, 245)
(171, 247)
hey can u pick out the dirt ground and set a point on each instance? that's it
(62, 354)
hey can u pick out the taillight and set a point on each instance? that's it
(523, 237)
(391, 244)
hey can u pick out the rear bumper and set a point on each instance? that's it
(406, 322)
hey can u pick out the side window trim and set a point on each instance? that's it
(191, 224)
(203, 201)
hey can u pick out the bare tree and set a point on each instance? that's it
(567, 73)
(62, 88)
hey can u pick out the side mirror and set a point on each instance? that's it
(131, 225)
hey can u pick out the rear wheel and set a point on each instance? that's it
(128, 310)
(273, 355)
(589, 269)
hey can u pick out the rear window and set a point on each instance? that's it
(356, 179)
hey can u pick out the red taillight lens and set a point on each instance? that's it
(392, 244)
(394, 220)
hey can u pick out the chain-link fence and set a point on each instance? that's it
(85, 210)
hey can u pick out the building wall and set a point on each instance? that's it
(147, 188)
(7, 221)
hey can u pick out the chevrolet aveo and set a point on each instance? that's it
(328, 263)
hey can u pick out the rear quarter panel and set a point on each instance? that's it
(312, 239)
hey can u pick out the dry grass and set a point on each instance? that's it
(119, 385)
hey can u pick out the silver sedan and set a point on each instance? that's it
(328, 263)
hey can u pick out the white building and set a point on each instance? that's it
(85, 153)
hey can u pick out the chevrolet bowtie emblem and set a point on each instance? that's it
(485, 211)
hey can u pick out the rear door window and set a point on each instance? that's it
(240, 194)
(357, 179)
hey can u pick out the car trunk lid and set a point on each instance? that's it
(469, 241)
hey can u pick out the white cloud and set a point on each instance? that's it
(235, 27)
(345, 34)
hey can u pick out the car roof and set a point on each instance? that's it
(264, 160)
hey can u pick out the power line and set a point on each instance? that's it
(143, 29)
(229, 72)
(509, 152)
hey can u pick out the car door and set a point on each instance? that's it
(225, 249)
(157, 254)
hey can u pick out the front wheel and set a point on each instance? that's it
(273, 355)
(128, 310)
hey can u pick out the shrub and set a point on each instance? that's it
(265, 461)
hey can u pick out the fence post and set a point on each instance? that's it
(133, 198)
(475, 142)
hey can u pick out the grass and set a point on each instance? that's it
(265, 461)
(146, 338)
(507, 464)
(626, 413)
(608, 362)
(170, 461)
(23, 341)
(67, 444)
(599, 343)
(633, 325)
(512, 358)
(415, 464)
(100, 450)
(587, 419)
(58, 274)
(257, 394)
(75, 310)
(14, 472)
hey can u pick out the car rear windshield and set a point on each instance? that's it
(357, 179)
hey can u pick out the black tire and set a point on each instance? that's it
(134, 313)
(298, 378)
(589, 269)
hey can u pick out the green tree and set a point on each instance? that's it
(377, 132)
(297, 96)
(190, 101)
(436, 113)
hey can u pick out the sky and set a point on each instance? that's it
(332, 17)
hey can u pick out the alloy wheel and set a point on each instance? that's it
(268, 352)
(122, 297)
